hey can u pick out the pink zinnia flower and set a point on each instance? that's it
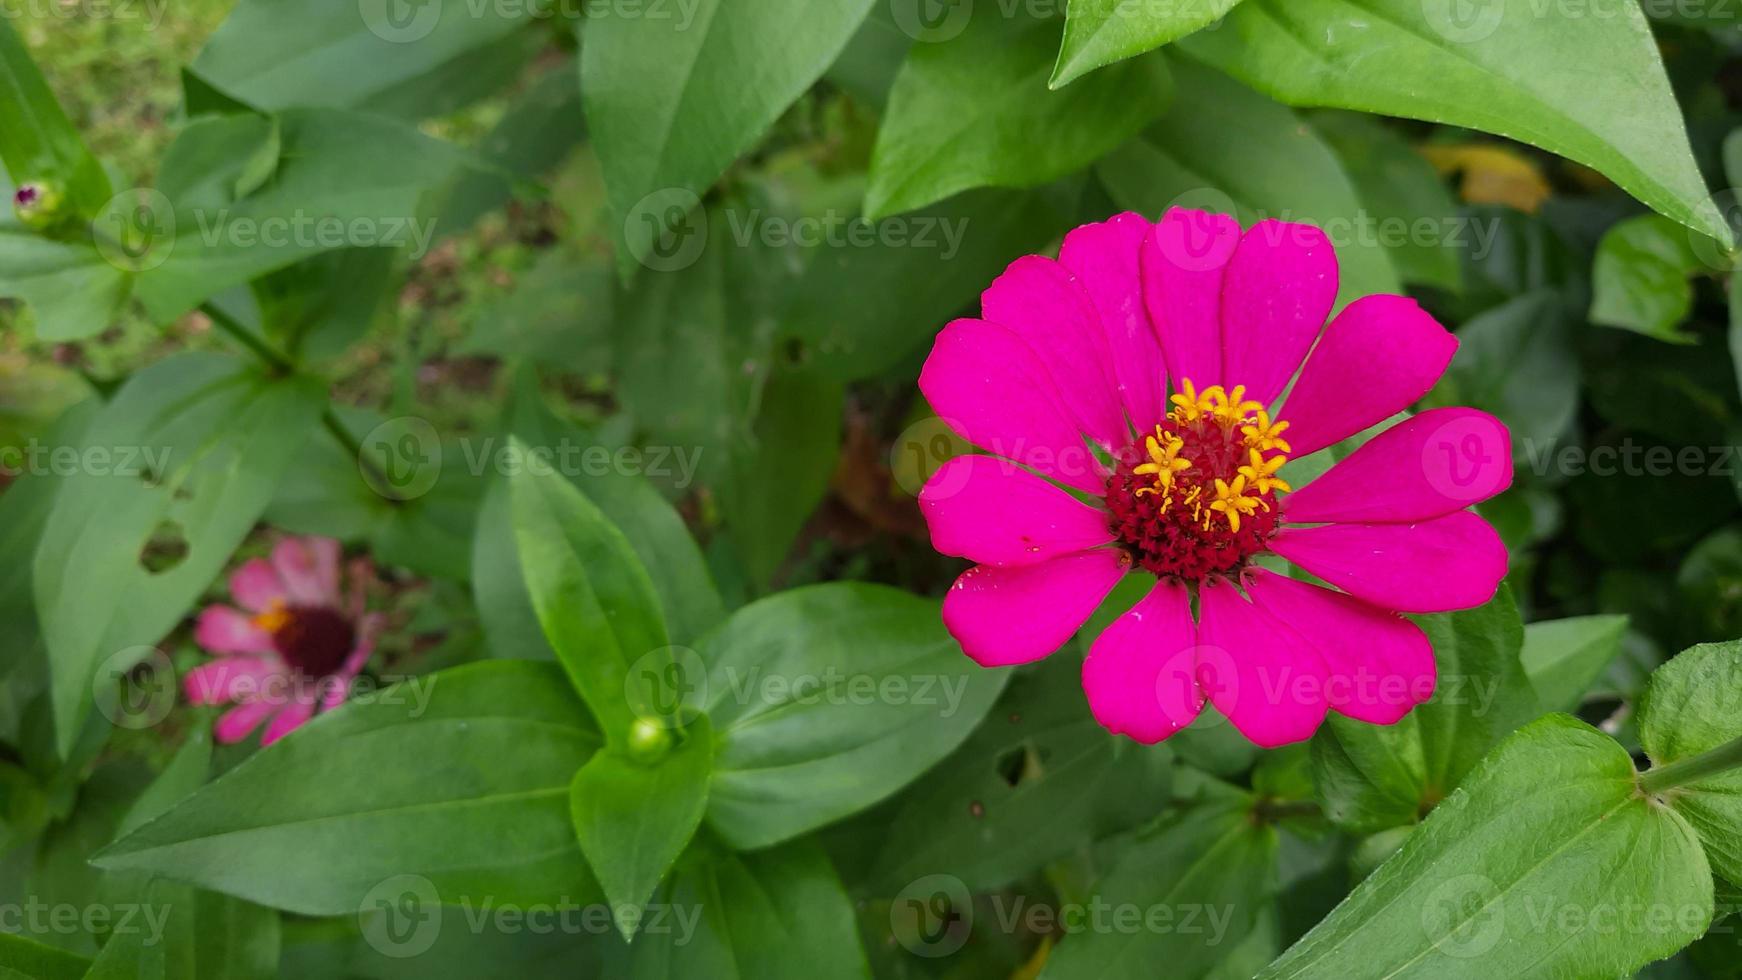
(292, 647)
(1067, 376)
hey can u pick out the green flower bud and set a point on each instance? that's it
(37, 203)
(649, 739)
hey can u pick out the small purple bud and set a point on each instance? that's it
(37, 203)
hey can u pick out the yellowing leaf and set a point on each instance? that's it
(1492, 175)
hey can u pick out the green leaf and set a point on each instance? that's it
(539, 128)
(213, 935)
(1223, 147)
(1100, 32)
(316, 310)
(783, 472)
(1733, 332)
(73, 290)
(26, 959)
(634, 814)
(1507, 68)
(1407, 201)
(1371, 778)
(975, 111)
(1040, 779)
(419, 514)
(37, 141)
(778, 914)
(1564, 657)
(827, 699)
(187, 932)
(343, 179)
(592, 595)
(24, 510)
(703, 320)
(1690, 707)
(454, 786)
(1212, 872)
(670, 106)
(1517, 361)
(558, 315)
(186, 772)
(1640, 280)
(180, 465)
(1546, 862)
(903, 293)
(366, 56)
(653, 528)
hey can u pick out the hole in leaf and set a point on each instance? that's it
(166, 548)
(1017, 764)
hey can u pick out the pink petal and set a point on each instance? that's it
(1439, 461)
(1262, 676)
(988, 387)
(1452, 562)
(1378, 357)
(309, 568)
(228, 679)
(1280, 287)
(1140, 675)
(1183, 262)
(1104, 258)
(287, 720)
(238, 722)
(993, 512)
(339, 683)
(1040, 301)
(255, 586)
(222, 629)
(337, 690)
(1005, 616)
(1380, 664)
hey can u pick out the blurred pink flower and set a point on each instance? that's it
(294, 645)
(1108, 467)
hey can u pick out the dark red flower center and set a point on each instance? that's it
(313, 640)
(1196, 495)
(25, 196)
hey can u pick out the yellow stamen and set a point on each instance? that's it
(1232, 501)
(274, 618)
(1266, 435)
(1163, 448)
(1231, 407)
(1262, 472)
(1191, 405)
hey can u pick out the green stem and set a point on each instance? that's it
(278, 362)
(242, 335)
(1271, 810)
(343, 436)
(1659, 779)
